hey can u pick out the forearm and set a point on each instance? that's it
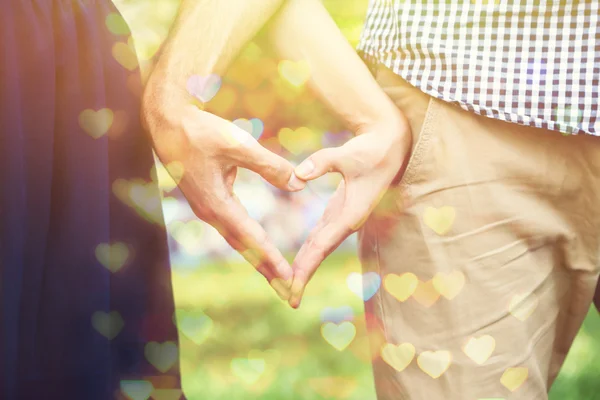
(206, 36)
(303, 30)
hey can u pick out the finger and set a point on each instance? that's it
(317, 247)
(302, 272)
(246, 236)
(281, 287)
(323, 240)
(320, 163)
(273, 168)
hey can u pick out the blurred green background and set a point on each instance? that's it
(228, 314)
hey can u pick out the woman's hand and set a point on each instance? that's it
(210, 149)
(368, 163)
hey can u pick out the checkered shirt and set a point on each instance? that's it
(531, 62)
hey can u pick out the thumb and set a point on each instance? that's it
(273, 168)
(318, 164)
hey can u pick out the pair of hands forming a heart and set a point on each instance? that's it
(212, 148)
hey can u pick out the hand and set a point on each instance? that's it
(211, 149)
(368, 163)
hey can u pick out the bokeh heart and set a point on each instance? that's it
(136, 390)
(203, 88)
(162, 356)
(108, 324)
(339, 336)
(364, 285)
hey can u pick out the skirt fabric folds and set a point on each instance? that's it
(86, 307)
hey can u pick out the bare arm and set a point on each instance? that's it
(206, 36)
(304, 30)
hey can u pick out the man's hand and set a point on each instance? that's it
(368, 163)
(211, 149)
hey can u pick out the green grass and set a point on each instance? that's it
(246, 315)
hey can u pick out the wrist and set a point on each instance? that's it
(164, 106)
(163, 100)
(392, 121)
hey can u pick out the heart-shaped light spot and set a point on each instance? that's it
(96, 123)
(168, 176)
(296, 73)
(401, 286)
(480, 349)
(434, 363)
(440, 220)
(125, 56)
(108, 324)
(425, 294)
(364, 286)
(112, 256)
(301, 140)
(116, 24)
(244, 124)
(136, 390)
(188, 234)
(171, 208)
(253, 126)
(513, 378)
(398, 357)
(162, 356)
(143, 196)
(258, 127)
(337, 315)
(204, 88)
(449, 284)
(248, 370)
(147, 43)
(236, 135)
(167, 394)
(146, 199)
(339, 336)
(523, 305)
(195, 325)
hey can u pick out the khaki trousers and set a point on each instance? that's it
(489, 253)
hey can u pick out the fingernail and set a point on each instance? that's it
(305, 169)
(296, 184)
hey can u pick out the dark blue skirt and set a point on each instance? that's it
(86, 297)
